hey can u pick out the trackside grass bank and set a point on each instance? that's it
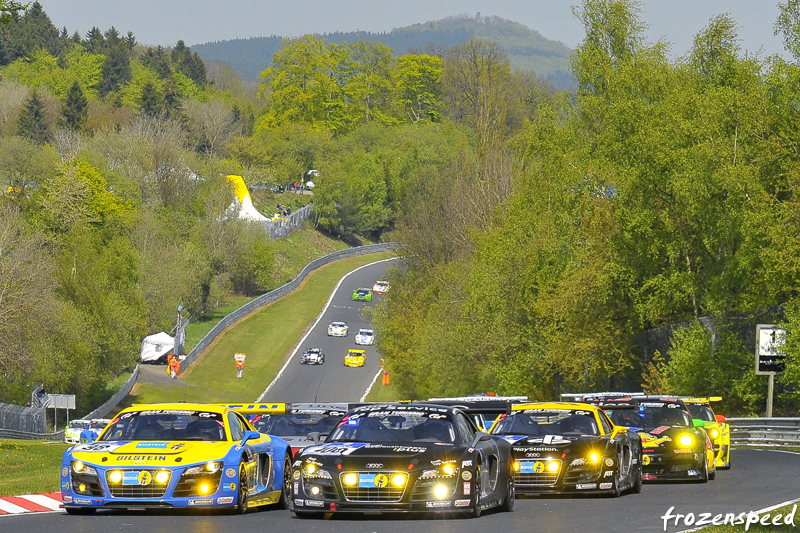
(29, 467)
(267, 337)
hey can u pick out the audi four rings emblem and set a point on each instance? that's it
(375, 465)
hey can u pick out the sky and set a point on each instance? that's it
(164, 22)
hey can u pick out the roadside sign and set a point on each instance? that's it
(769, 359)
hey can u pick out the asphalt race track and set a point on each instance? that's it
(758, 479)
(334, 382)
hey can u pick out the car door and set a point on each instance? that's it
(487, 451)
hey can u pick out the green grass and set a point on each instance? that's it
(755, 528)
(266, 336)
(29, 467)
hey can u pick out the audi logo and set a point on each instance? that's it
(375, 465)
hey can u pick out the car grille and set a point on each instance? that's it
(92, 482)
(151, 490)
(423, 488)
(545, 477)
(389, 493)
(190, 485)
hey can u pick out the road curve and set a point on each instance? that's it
(333, 382)
(758, 480)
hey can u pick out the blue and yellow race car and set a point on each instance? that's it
(179, 455)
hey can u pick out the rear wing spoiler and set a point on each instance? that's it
(579, 397)
(702, 400)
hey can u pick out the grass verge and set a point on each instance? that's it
(266, 336)
(29, 467)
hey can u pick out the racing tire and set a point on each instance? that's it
(727, 455)
(616, 492)
(511, 494)
(241, 505)
(285, 501)
(79, 510)
(712, 475)
(704, 478)
(637, 485)
(476, 505)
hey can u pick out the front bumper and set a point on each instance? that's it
(584, 478)
(666, 464)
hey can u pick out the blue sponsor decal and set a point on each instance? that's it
(526, 467)
(155, 445)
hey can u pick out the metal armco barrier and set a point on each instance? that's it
(23, 435)
(280, 292)
(765, 432)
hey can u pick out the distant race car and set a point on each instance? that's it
(365, 337)
(362, 294)
(404, 458)
(301, 419)
(179, 455)
(95, 427)
(337, 329)
(381, 287)
(672, 447)
(715, 425)
(355, 358)
(563, 447)
(312, 356)
(72, 433)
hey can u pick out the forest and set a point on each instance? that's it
(544, 234)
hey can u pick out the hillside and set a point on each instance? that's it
(527, 49)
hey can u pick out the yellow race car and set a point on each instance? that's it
(179, 455)
(355, 358)
(715, 425)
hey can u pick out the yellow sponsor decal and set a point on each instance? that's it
(538, 467)
(145, 478)
(381, 480)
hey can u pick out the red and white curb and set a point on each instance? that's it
(32, 503)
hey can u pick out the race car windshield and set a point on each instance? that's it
(297, 425)
(541, 423)
(394, 428)
(99, 424)
(77, 424)
(650, 417)
(702, 412)
(166, 426)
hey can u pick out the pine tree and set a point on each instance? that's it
(116, 69)
(150, 103)
(75, 109)
(32, 121)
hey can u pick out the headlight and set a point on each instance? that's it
(594, 458)
(162, 477)
(714, 433)
(516, 466)
(209, 468)
(350, 479)
(552, 466)
(398, 480)
(448, 469)
(309, 469)
(80, 468)
(685, 440)
(115, 476)
(440, 491)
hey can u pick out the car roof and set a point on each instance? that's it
(578, 406)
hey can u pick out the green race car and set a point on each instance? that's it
(362, 294)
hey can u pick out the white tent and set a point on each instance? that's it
(156, 346)
(247, 210)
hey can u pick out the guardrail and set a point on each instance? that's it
(765, 432)
(24, 435)
(280, 292)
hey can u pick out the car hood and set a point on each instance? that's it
(551, 443)
(663, 436)
(150, 452)
(359, 454)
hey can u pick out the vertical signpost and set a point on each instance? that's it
(769, 358)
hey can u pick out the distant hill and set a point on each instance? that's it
(527, 49)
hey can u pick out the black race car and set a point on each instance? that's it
(673, 448)
(403, 458)
(561, 447)
(299, 420)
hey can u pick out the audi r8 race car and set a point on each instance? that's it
(381, 287)
(355, 358)
(362, 294)
(312, 356)
(365, 337)
(561, 447)
(715, 425)
(93, 430)
(178, 455)
(403, 458)
(300, 420)
(672, 447)
(72, 433)
(337, 329)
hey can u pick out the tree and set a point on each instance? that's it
(117, 68)
(419, 87)
(150, 101)
(8, 8)
(75, 109)
(788, 24)
(32, 120)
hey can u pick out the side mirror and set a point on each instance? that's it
(315, 436)
(480, 437)
(721, 419)
(250, 435)
(698, 423)
(618, 430)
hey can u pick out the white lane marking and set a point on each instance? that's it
(11, 508)
(366, 392)
(321, 314)
(44, 501)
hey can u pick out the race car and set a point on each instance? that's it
(362, 294)
(482, 409)
(672, 447)
(312, 356)
(72, 433)
(301, 419)
(381, 287)
(398, 458)
(715, 425)
(365, 337)
(563, 447)
(337, 329)
(355, 358)
(179, 455)
(93, 430)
